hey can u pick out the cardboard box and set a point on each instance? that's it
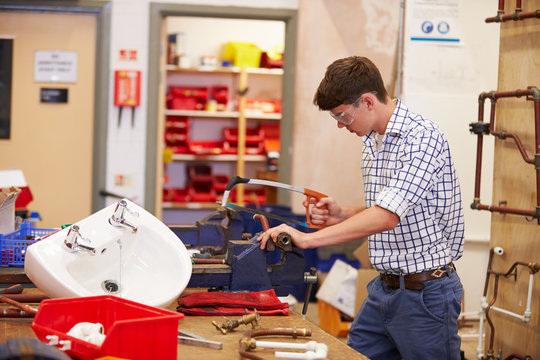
(8, 196)
(339, 287)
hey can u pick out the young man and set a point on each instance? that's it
(413, 217)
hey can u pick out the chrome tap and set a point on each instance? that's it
(73, 243)
(118, 219)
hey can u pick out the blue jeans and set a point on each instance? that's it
(409, 324)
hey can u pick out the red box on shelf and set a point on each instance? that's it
(133, 330)
(263, 106)
(179, 149)
(187, 98)
(271, 136)
(251, 195)
(175, 195)
(199, 173)
(177, 122)
(173, 138)
(221, 95)
(202, 192)
(205, 147)
(253, 135)
(220, 183)
(256, 148)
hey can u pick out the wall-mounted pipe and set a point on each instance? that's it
(486, 307)
(481, 128)
(516, 16)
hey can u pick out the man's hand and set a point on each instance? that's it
(298, 238)
(325, 210)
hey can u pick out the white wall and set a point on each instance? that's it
(442, 82)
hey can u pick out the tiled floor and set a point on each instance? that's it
(469, 330)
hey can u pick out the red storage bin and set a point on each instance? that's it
(253, 135)
(255, 148)
(205, 147)
(199, 173)
(220, 183)
(202, 192)
(179, 149)
(177, 123)
(175, 195)
(173, 138)
(221, 95)
(133, 330)
(187, 98)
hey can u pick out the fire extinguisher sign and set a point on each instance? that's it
(127, 88)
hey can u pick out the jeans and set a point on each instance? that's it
(409, 324)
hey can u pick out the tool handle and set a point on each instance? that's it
(312, 194)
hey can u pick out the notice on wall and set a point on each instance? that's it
(55, 66)
(434, 21)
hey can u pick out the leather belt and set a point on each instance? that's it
(416, 281)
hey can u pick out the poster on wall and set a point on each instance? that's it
(434, 21)
(55, 66)
(6, 62)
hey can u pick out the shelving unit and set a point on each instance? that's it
(208, 123)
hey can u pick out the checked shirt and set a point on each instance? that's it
(413, 176)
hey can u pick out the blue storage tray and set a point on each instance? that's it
(13, 245)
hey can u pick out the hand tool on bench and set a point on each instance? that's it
(188, 338)
(310, 194)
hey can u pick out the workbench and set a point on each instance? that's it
(201, 326)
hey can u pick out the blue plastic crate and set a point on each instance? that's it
(13, 245)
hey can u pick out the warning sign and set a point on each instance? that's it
(55, 66)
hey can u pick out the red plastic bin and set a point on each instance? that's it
(204, 147)
(253, 135)
(252, 148)
(133, 330)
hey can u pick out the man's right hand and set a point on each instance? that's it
(325, 210)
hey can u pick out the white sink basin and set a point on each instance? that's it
(150, 266)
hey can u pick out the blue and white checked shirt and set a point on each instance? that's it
(413, 176)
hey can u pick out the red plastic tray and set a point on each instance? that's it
(133, 330)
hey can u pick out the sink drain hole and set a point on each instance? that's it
(111, 286)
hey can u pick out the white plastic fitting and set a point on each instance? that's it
(498, 250)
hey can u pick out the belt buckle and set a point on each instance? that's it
(437, 273)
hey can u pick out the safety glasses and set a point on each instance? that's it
(344, 117)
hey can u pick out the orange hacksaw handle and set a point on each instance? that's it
(312, 194)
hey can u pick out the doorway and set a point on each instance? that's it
(157, 44)
(59, 146)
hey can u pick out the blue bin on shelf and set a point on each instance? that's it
(13, 245)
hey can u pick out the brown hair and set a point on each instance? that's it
(347, 79)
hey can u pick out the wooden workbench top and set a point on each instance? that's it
(202, 326)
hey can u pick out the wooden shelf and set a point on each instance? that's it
(225, 158)
(221, 114)
(224, 70)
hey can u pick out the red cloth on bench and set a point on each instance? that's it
(218, 303)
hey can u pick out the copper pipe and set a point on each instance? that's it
(26, 308)
(26, 298)
(263, 220)
(15, 313)
(504, 209)
(480, 131)
(248, 342)
(533, 268)
(519, 16)
(516, 16)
